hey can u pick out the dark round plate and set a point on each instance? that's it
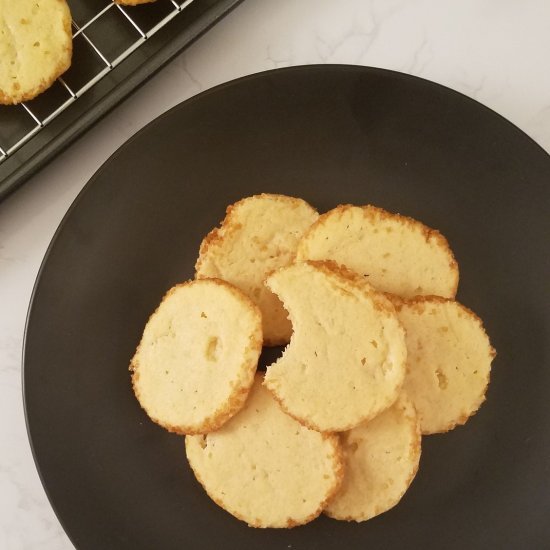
(329, 134)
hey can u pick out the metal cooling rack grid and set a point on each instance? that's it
(104, 35)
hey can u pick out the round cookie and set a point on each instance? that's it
(195, 364)
(396, 254)
(381, 458)
(133, 2)
(35, 47)
(258, 235)
(265, 468)
(346, 360)
(449, 361)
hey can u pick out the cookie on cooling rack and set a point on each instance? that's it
(133, 2)
(35, 47)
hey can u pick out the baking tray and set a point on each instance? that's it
(115, 49)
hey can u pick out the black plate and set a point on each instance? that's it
(330, 134)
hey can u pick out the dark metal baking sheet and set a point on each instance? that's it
(113, 33)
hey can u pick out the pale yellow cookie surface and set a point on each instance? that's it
(258, 235)
(346, 360)
(265, 468)
(449, 361)
(197, 357)
(381, 458)
(35, 47)
(396, 254)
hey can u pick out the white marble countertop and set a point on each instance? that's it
(496, 51)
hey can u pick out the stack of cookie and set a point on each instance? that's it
(378, 353)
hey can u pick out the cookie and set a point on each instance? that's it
(346, 360)
(195, 364)
(265, 468)
(35, 47)
(396, 254)
(258, 235)
(133, 2)
(381, 458)
(449, 361)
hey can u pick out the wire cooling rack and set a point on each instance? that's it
(115, 48)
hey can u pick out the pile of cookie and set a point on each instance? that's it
(36, 46)
(378, 353)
